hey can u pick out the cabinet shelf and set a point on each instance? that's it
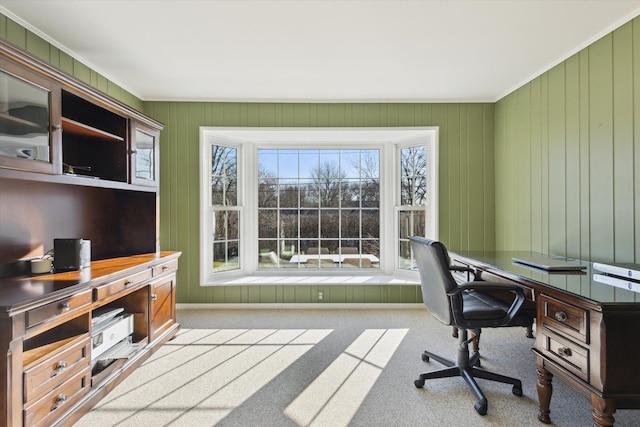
(82, 129)
(23, 124)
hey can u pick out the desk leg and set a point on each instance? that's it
(545, 388)
(603, 410)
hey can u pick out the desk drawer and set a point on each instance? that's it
(56, 368)
(564, 318)
(165, 267)
(567, 354)
(104, 291)
(57, 308)
(54, 404)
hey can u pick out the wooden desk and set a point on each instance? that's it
(586, 332)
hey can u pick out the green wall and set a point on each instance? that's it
(466, 183)
(568, 155)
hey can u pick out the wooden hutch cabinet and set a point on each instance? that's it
(75, 163)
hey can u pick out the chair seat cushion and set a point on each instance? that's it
(481, 306)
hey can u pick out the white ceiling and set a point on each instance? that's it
(321, 50)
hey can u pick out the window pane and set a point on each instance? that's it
(309, 195)
(325, 182)
(219, 225)
(232, 227)
(350, 163)
(267, 194)
(350, 223)
(309, 222)
(329, 223)
(267, 224)
(371, 223)
(370, 191)
(289, 194)
(288, 224)
(288, 163)
(413, 175)
(308, 162)
(350, 193)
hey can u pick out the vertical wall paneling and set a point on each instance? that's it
(572, 150)
(557, 161)
(635, 47)
(522, 146)
(623, 189)
(585, 157)
(535, 197)
(581, 119)
(601, 145)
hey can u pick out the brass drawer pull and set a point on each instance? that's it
(564, 352)
(561, 316)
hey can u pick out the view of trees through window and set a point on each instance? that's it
(413, 199)
(319, 208)
(224, 207)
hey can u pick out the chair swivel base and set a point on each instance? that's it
(467, 369)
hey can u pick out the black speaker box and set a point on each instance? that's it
(66, 254)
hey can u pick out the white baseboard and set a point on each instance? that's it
(298, 306)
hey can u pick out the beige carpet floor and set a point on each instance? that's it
(327, 368)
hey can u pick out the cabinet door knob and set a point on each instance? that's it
(561, 316)
(56, 127)
(154, 297)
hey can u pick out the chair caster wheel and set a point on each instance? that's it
(419, 383)
(517, 390)
(481, 408)
(425, 358)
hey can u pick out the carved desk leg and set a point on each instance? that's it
(603, 410)
(545, 388)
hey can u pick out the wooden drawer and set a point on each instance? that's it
(165, 267)
(57, 308)
(71, 357)
(564, 318)
(54, 404)
(567, 354)
(102, 292)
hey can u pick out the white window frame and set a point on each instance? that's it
(247, 140)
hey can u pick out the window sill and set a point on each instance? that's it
(250, 280)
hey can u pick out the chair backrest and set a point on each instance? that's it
(436, 280)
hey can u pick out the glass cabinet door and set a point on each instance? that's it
(25, 123)
(144, 155)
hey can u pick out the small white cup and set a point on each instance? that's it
(41, 266)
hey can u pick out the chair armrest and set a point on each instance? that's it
(516, 304)
(461, 268)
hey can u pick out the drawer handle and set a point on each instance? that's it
(60, 366)
(561, 316)
(564, 352)
(127, 283)
(154, 297)
(165, 267)
(65, 306)
(59, 402)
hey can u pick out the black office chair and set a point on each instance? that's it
(467, 307)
